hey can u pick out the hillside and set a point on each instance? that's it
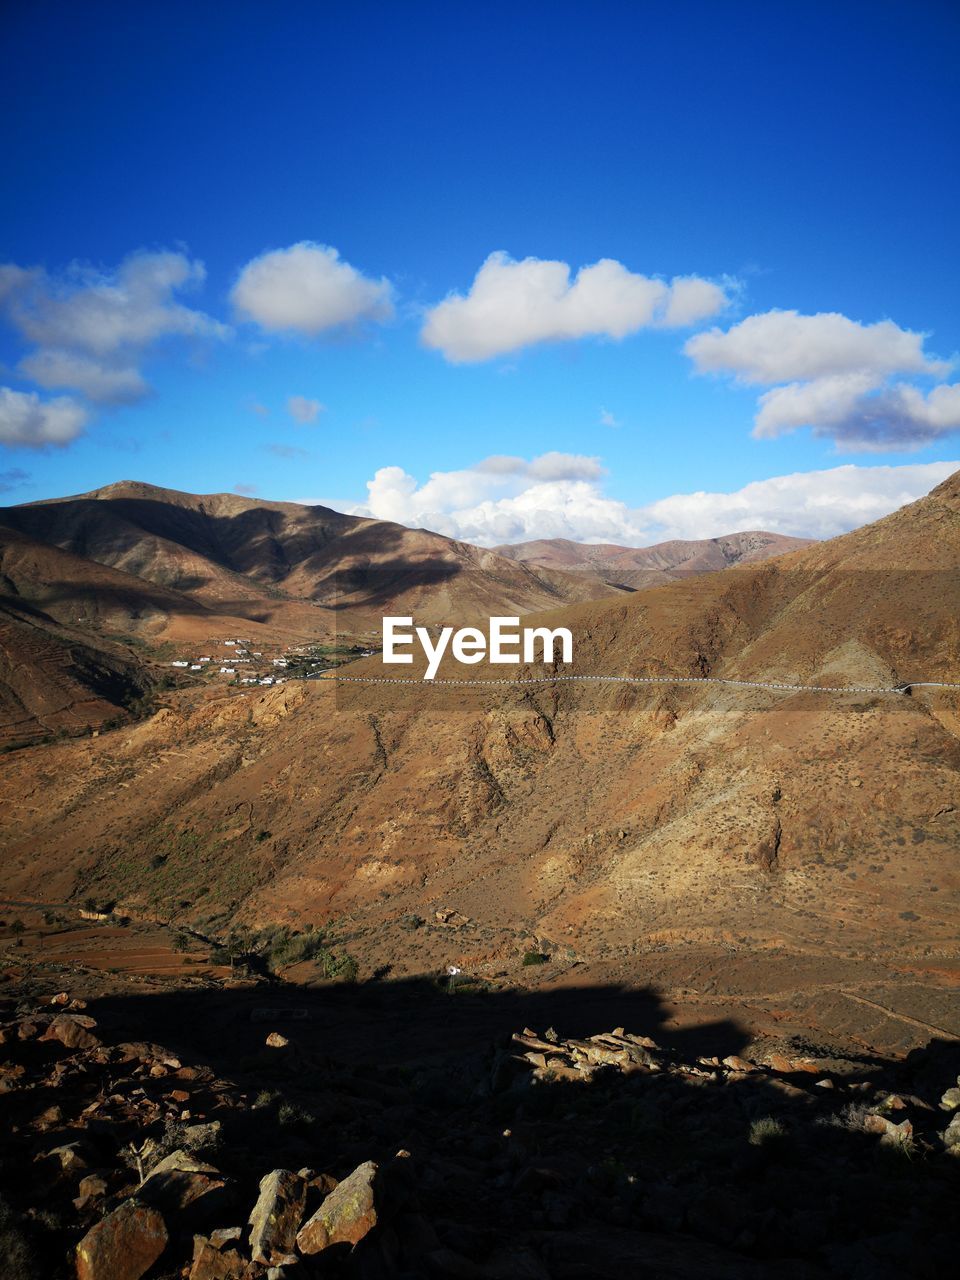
(736, 841)
(57, 679)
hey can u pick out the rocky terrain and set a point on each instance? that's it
(253, 1133)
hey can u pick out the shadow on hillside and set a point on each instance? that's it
(138, 601)
(370, 586)
(682, 1171)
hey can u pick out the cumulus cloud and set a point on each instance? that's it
(98, 381)
(812, 504)
(27, 422)
(501, 500)
(513, 304)
(308, 289)
(304, 411)
(834, 375)
(90, 328)
(780, 346)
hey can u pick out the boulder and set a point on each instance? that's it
(219, 1259)
(951, 1135)
(345, 1216)
(92, 1187)
(73, 1030)
(70, 1157)
(890, 1132)
(733, 1062)
(275, 1218)
(123, 1245)
(180, 1182)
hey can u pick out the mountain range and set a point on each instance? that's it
(89, 584)
(638, 567)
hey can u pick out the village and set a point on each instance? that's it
(244, 666)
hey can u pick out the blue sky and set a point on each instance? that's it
(163, 161)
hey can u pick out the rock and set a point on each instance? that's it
(275, 1217)
(69, 1156)
(735, 1063)
(225, 1235)
(52, 1118)
(789, 1065)
(890, 1132)
(345, 1216)
(950, 1100)
(92, 1187)
(951, 1135)
(277, 1041)
(216, 1259)
(61, 998)
(10, 1076)
(123, 1245)
(181, 1182)
(73, 1030)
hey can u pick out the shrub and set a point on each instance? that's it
(765, 1131)
(534, 957)
(16, 1261)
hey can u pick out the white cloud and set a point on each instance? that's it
(859, 417)
(27, 422)
(308, 289)
(607, 419)
(511, 500)
(813, 504)
(834, 375)
(515, 304)
(100, 382)
(781, 346)
(91, 328)
(303, 410)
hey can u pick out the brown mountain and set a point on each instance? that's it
(791, 853)
(304, 570)
(638, 567)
